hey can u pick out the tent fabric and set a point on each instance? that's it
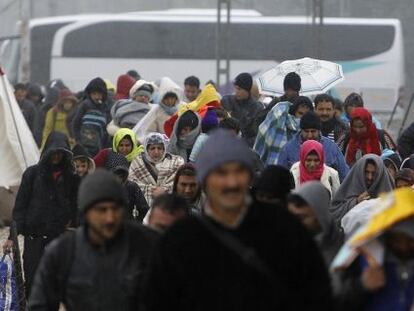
(18, 148)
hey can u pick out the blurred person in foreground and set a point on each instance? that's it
(101, 265)
(229, 257)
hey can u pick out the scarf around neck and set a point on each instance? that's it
(367, 142)
(306, 148)
(170, 110)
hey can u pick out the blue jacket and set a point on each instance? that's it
(333, 155)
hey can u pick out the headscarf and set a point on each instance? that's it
(181, 144)
(367, 142)
(306, 148)
(354, 184)
(155, 139)
(127, 133)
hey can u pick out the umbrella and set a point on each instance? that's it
(318, 76)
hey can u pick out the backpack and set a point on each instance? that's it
(92, 132)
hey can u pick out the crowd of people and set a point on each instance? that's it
(149, 196)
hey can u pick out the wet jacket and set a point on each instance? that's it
(406, 142)
(45, 205)
(30, 114)
(87, 277)
(245, 111)
(87, 104)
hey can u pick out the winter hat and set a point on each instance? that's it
(155, 139)
(391, 157)
(310, 120)
(244, 81)
(141, 88)
(276, 180)
(66, 94)
(187, 119)
(210, 121)
(220, 148)
(79, 152)
(98, 187)
(292, 81)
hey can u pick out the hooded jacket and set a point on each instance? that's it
(154, 120)
(354, 184)
(87, 104)
(182, 146)
(123, 85)
(331, 237)
(45, 205)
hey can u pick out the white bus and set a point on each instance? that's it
(179, 43)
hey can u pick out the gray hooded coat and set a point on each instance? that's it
(331, 238)
(354, 184)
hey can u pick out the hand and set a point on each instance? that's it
(363, 196)
(7, 246)
(373, 277)
(158, 191)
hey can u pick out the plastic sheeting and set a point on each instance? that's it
(18, 149)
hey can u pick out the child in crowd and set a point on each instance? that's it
(84, 165)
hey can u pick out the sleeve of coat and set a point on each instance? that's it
(141, 202)
(23, 199)
(335, 183)
(340, 208)
(48, 126)
(283, 159)
(77, 122)
(341, 165)
(45, 290)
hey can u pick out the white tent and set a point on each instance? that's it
(18, 150)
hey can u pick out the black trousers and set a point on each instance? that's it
(34, 247)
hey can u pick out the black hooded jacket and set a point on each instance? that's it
(87, 104)
(46, 205)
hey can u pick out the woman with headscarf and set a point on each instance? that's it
(125, 143)
(186, 130)
(154, 170)
(404, 178)
(392, 161)
(364, 137)
(312, 167)
(366, 180)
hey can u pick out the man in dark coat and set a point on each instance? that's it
(331, 127)
(46, 202)
(243, 107)
(26, 106)
(240, 254)
(96, 101)
(101, 264)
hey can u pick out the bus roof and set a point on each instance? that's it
(205, 15)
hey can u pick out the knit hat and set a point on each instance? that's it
(210, 121)
(292, 81)
(79, 152)
(98, 187)
(310, 120)
(144, 90)
(187, 119)
(276, 180)
(244, 81)
(66, 94)
(220, 148)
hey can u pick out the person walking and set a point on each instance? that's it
(46, 202)
(230, 257)
(311, 166)
(101, 265)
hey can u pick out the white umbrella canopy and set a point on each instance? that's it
(318, 76)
